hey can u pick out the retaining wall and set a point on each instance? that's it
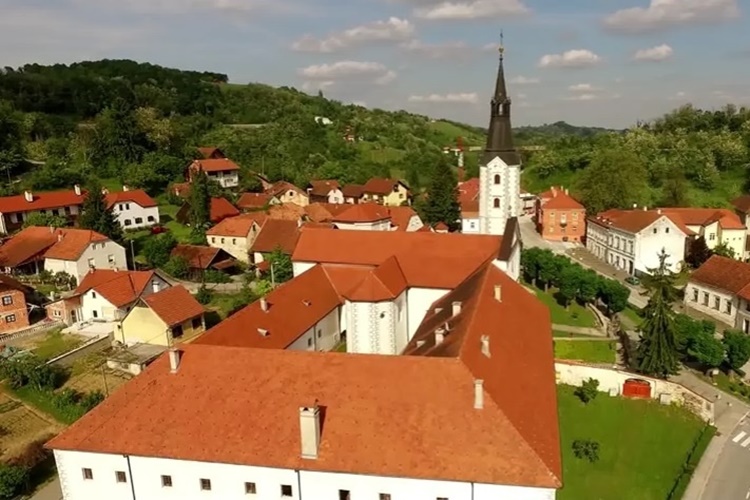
(91, 346)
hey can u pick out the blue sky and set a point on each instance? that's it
(588, 62)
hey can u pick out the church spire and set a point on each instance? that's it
(500, 136)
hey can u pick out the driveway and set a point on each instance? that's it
(51, 491)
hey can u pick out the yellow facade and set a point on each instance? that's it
(395, 198)
(143, 325)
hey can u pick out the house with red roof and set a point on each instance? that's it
(325, 191)
(134, 208)
(364, 217)
(236, 235)
(200, 258)
(211, 153)
(167, 317)
(286, 192)
(390, 192)
(720, 288)
(275, 234)
(220, 209)
(15, 209)
(352, 193)
(222, 170)
(560, 217)
(250, 202)
(14, 311)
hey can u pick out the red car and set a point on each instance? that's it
(158, 230)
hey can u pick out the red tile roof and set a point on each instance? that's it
(26, 246)
(468, 197)
(238, 226)
(705, 216)
(277, 233)
(323, 187)
(363, 212)
(353, 190)
(174, 305)
(381, 186)
(120, 288)
(634, 221)
(286, 211)
(72, 242)
(221, 209)
(279, 188)
(252, 201)
(211, 152)
(401, 217)
(200, 257)
(559, 199)
(724, 273)
(41, 201)
(742, 203)
(324, 212)
(293, 308)
(215, 165)
(138, 196)
(181, 189)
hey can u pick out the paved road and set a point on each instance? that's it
(51, 491)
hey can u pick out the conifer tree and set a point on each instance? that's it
(442, 198)
(199, 201)
(95, 214)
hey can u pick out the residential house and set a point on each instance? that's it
(631, 240)
(275, 234)
(236, 235)
(250, 202)
(201, 258)
(164, 318)
(559, 217)
(222, 170)
(389, 192)
(468, 198)
(718, 226)
(720, 288)
(742, 209)
(14, 312)
(180, 189)
(74, 251)
(14, 210)
(364, 217)
(220, 209)
(325, 191)
(323, 212)
(286, 211)
(134, 208)
(461, 365)
(405, 219)
(286, 192)
(352, 193)
(211, 153)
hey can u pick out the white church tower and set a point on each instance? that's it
(500, 166)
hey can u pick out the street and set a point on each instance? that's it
(50, 491)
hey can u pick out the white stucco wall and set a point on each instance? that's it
(415, 224)
(419, 301)
(92, 301)
(144, 480)
(662, 234)
(493, 220)
(734, 239)
(128, 211)
(336, 196)
(97, 254)
(470, 225)
(370, 327)
(323, 336)
(709, 294)
(227, 179)
(300, 267)
(382, 225)
(236, 246)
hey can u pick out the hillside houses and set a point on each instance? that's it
(134, 209)
(720, 288)
(14, 210)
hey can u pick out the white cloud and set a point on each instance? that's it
(583, 97)
(466, 98)
(582, 87)
(579, 58)
(468, 9)
(654, 54)
(436, 50)
(231, 7)
(322, 76)
(663, 14)
(679, 96)
(524, 80)
(391, 30)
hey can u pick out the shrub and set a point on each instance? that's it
(29, 370)
(204, 295)
(12, 479)
(32, 454)
(214, 276)
(177, 267)
(588, 390)
(586, 449)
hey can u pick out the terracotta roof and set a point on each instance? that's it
(215, 165)
(275, 233)
(468, 198)
(519, 373)
(634, 221)
(560, 200)
(324, 212)
(353, 190)
(317, 225)
(221, 209)
(418, 253)
(401, 216)
(293, 308)
(26, 246)
(238, 225)
(323, 187)
(281, 187)
(181, 189)
(120, 288)
(72, 242)
(723, 273)
(250, 201)
(286, 211)
(41, 201)
(363, 212)
(441, 226)
(174, 305)
(138, 196)
(209, 152)
(705, 216)
(381, 186)
(200, 257)
(742, 203)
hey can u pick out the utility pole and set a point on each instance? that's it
(132, 254)
(273, 278)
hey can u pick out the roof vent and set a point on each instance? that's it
(478, 394)
(263, 304)
(485, 339)
(309, 429)
(175, 357)
(456, 308)
(658, 211)
(307, 303)
(566, 191)
(263, 332)
(439, 335)
(498, 293)
(28, 196)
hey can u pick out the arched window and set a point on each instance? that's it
(496, 202)
(497, 179)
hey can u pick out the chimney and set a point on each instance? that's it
(59, 237)
(155, 286)
(456, 308)
(635, 205)
(478, 394)
(485, 339)
(263, 304)
(498, 293)
(439, 335)
(262, 332)
(566, 191)
(309, 430)
(299, 222)
(52, 230)
(658, 211)
(645, 208)
(77, 189)
(125, 188)
(28, 196)
(174, 359)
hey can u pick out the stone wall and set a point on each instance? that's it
(612, 381)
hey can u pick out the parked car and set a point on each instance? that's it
(632, 280)
(158, 229)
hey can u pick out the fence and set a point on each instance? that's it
(613, 382)
(39, 328)
(93, 345)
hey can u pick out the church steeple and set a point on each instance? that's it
(500, 136)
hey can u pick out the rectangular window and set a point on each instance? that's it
(213, 239)
(666, 230)
(88, 474)
(127, 206)
(67, 210)
(166, 481)
(120, 477)
(286, 490)
(711, 237)
(717, 303)
(93, 294)
(91, 262)
(150, 218)
(94, 314)
(11, 318)
(121, 207)
(441, 498)
(344, 495)
(250, 489)
(695, 295)
(309, 342)
(139, 220)
(7, 300)
(197, 323)
(222, 241)
(234, 241)
(111, 259)
(656, 230)
(205, 485)
(746, 326)
(729, 307)
(384, 496)
(705, 299)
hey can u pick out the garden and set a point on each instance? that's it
(586, 350)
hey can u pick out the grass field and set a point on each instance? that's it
(643, 446)
(589, 351)
(567, 335)
(168, 214)
(52, 344)
(633, 316)
(448, 132)
(575, 315)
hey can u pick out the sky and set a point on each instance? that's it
(589, 62)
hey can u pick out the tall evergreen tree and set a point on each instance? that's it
(657, 351)
(442, 198)
(95, 214)
(199, 201)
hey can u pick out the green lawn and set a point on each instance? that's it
(168, 214)
(589, 351)
(56, 343)
(574, 315)
(633, 315)
(567, 335)
(643, 447)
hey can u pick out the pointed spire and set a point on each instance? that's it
(500, 136)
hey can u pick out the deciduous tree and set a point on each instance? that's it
(96, 215)
(442, 198)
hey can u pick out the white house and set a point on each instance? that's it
(325, 191)
(716, 226)
(631, 240)
(720, 288)
(236, 235)
(134, 209)
(14, 210)
(222, 170)
(364, 217)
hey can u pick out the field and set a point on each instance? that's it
(91, 374)
(575, 315)
(643, 447)
(20, 426)
(632, 316)
(51, 344)
(589, 351)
